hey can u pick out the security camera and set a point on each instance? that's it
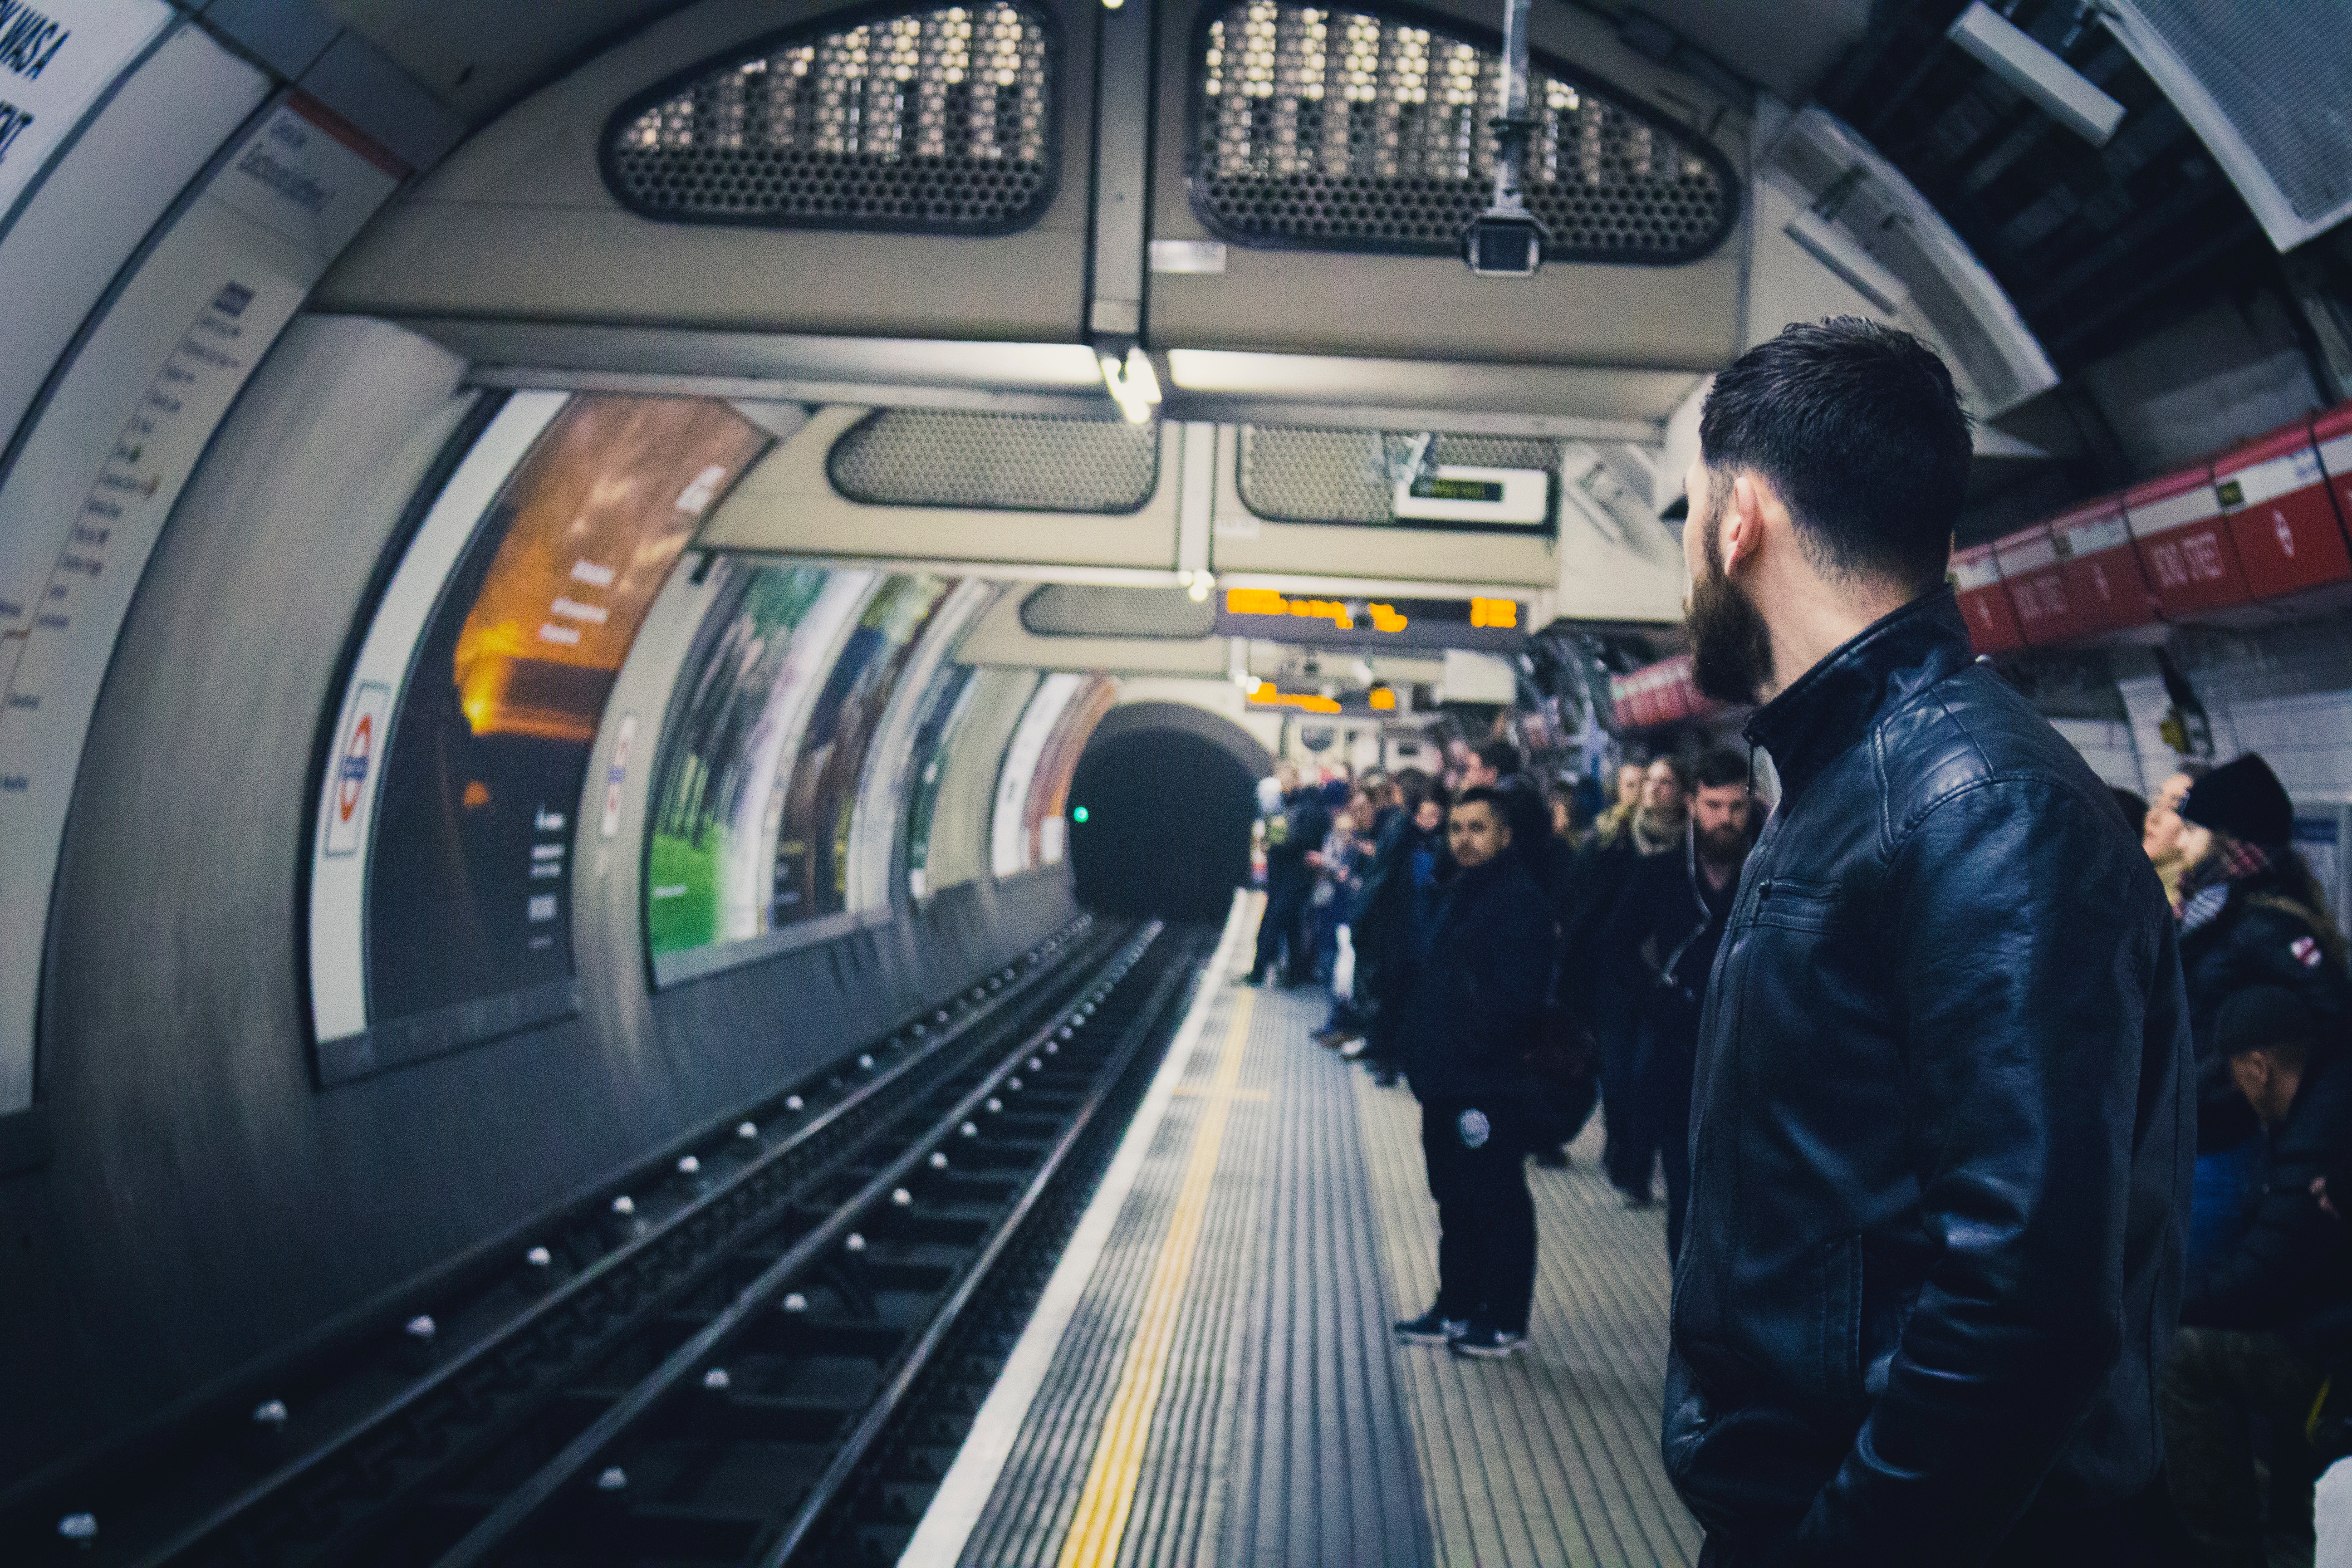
(1502, 244)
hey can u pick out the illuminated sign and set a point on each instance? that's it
(1382, 699)
(1265, 695)
(1497, 626)
(1342, 617)
(1510, 498)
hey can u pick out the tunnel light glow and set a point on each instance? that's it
(1199, 586)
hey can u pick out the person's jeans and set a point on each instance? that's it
(2215, 1380)
(1284, 924)
(2217, 1208)
(1476, 1157)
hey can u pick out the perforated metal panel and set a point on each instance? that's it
(1355, 130)
(932, 121)
(1348, 475)
(997, 462)
(2280, 79)
(1079, 610)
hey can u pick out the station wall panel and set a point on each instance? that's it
(2283, 518)
(2184, 544)
(2099, 568)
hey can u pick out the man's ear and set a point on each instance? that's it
(1742, 524)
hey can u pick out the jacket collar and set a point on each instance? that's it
(1832, 705)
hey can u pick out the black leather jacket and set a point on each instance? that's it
(1942, 1131)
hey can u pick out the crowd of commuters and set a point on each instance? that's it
(2005, 1120)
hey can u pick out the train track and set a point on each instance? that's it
(764, 1357)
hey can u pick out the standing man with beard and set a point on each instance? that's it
(1943, 1117)
(1665, 931)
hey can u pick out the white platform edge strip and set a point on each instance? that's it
(947, 1525)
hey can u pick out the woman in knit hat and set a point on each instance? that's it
(2251, 914)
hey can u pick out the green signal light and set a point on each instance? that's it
(1078, 813)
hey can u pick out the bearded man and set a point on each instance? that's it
(1943, 1115)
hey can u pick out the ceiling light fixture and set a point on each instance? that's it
(1131, 383)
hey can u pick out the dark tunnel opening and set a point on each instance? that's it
(1160, 824)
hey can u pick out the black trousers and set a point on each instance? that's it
(1660, 1093)
(1476, 1156)
(1288, 893)
(1630, 1153)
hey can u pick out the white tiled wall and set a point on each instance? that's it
(2109, 748)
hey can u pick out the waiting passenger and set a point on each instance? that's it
(1655, 829)
(1291, 837)
(1479, 1000)
(2262, 1324)
(2161, 830)
(1399, 889)
(1941, 1121)
(2250, 915)
(1664, 935)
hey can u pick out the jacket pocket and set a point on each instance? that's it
(1795, 906)
(1839, 1353)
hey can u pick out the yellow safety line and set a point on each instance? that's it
(1100, 1522)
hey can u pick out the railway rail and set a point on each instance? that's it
(762, 1352)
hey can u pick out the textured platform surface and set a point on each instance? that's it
(1223, 1388)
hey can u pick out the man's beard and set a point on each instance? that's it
(1731, 649)
(1724, 845)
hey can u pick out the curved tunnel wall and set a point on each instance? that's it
(211, 1201)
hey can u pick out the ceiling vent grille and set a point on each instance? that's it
(1085, 610)
(1359, 131)
(2269, 89)
(929, 121)
(995, 462)
(1290, 475)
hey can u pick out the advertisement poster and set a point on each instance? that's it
(469, 926)
(55, 57)
(945, 706)
(720, 745)
(812, 877)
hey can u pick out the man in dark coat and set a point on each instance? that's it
(1477, 1003)
(1660, 945)
(1943, 1120)
(2261, 1325)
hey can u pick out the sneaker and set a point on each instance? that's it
(1250, 979)
(1488, 1344)
(1429, 1329)
(1638, 1200)
(1551, 1159)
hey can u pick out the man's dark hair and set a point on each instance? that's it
(1500, 755)
(1860, 430)
(1411, 787)
(1720, 765)
(1488, 797)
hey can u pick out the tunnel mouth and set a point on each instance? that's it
(1160, 821)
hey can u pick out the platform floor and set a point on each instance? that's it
(1210, 1377)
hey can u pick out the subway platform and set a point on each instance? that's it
(1210, 1378)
